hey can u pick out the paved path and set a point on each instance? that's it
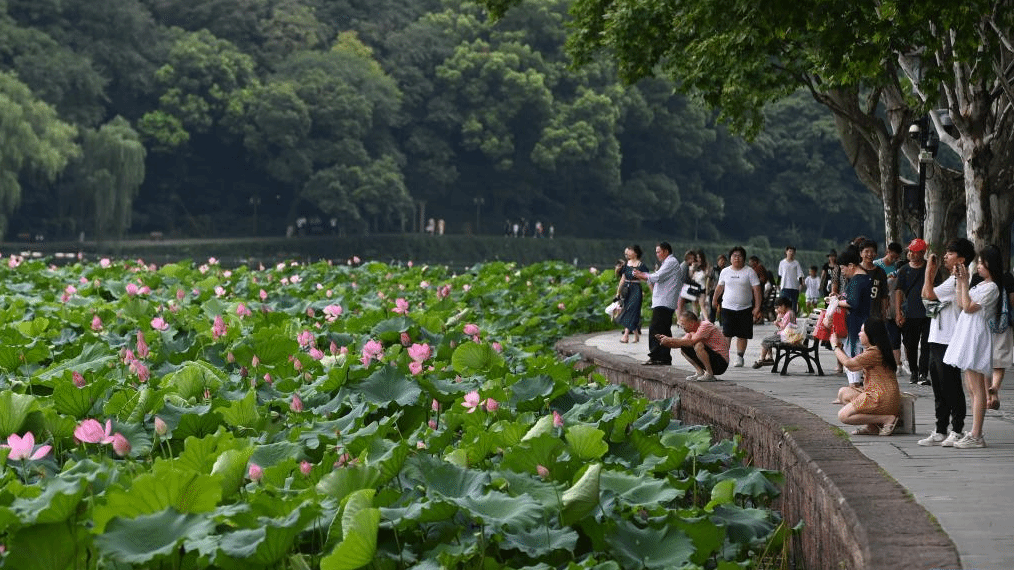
(968, 491)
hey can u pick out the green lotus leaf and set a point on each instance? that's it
(543, 450)
(164, 487)
(231, 468)
(389, 330)
(192, 378)
(241, 413)
(638, 489)
(445, 479)
(544, 425)
(722, 494)
(146, 537)
(753, 482)
(77, 402)
(360, 522)
(14, 409)
(58, 500)
(497, 509)
(344, 481)
(745, 526)
(34, 328)
(582, 497)
(92, 357)
(537, 542)
(475, 358)
(586, 442)
(635, 547)
(52, 546)
(273, 538)
(530, 394)
(200, 453)
(388, 384)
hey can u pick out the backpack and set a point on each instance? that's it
(999, 323)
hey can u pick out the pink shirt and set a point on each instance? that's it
(713, 338)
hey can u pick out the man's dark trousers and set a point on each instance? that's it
(949, 398)
(662, 323)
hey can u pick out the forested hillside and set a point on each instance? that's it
(199, 118)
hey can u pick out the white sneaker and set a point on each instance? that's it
(694, 377)
(951, 439)
(934, 438)
(738, 362)
(970, 442)
(706, 377)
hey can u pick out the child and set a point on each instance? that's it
(785, 317)
(813, 284)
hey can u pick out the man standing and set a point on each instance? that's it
(945, 380)
(828, 271)
(703, 345)
(890, 264)
(910, 314)
(666, 282)
(740, 291)
(791, 277)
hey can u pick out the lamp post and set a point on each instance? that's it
(255, 201)
(914, 195)
(478, 201)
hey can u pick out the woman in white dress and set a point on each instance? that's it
(971, 347)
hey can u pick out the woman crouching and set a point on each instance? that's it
(876, 407)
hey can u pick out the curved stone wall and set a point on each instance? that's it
(855, 516)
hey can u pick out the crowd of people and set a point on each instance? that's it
(939, 321)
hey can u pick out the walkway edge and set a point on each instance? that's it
(854, 514)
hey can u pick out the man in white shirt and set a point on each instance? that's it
(791, 277)
(739, 291)
(945, 380)
(666, 283)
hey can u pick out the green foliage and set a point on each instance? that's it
(358, 414)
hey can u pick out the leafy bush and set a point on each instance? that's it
(337, 417)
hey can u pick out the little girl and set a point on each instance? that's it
(784, 317)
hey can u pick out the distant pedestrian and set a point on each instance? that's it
(791, 277)
(665, 283)
(828, 274)
(910, 314)
(812, 288)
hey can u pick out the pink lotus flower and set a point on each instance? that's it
(420, 445)
(14, 261)
(543, 472)
(262, 294)
(131, 289)
(142, 346)
(96, 323)
(444, 291)
(254, 472)
(305, 468)
(332, 312)
(432, 424)
(267, 378)
(471, 329)
(159, 324)
(557, 420)
(23, 447)
(90, 431)
(401, 306)
(297, 364)
(333, 348)
(419, 352)
(405, 339)
(296, 404)
(371, 350)
(471, 401)
(355, 259)
(424, 284)
(242, 310)
(491, 405)
(120, 445)
(218, 328)
(435, 405)
(142, 371)
(219, 291)
(466, 287)
(415, 368)
(254, 361)
(78, 379)
(104, 262)
(311, 312)
(560, 306)
(127, 355)
(305, 338)
(496, 347)
(160, 426)
(315, 353)
(180, 294)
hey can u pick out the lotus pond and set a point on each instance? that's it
(344, 416)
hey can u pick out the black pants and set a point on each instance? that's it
(717, 362)
(914, 333)
(662, 323)
(949, 397)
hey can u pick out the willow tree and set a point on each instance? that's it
(111, 170)
(35, 142)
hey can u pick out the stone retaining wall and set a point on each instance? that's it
(855, 516)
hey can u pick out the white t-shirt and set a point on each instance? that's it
(790, 274)
(943, 325)
(813, 285)
(738, 287)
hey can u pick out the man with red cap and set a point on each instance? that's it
(910, 315)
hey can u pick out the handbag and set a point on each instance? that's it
(614, 310)
(690, 291)
(823, 332)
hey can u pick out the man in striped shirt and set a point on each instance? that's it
(703, 345)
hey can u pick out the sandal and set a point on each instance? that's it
(865, 430)
(637, 338)
(993, 402)
(888, 428)
(765, 362)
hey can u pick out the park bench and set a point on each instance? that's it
(808, 349)
(768, 305)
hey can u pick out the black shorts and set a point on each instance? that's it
(718, 363)
(738, 324)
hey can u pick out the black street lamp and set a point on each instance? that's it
(478, 201)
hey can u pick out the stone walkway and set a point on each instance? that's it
(968, 491)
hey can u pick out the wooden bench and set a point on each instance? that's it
(808, 349)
